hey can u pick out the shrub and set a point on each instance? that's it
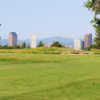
(57, 44)
(41, 44)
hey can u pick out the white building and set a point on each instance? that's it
(78, 44)
(33, 43)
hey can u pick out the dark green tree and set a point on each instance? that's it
(16, 47)
(41, 44)
(94, 5)
(56, 44)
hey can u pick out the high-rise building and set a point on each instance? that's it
(82, 44)
(78, 44)
(33, 41)
(12, 39)
(88, 40)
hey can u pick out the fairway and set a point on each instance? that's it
(49, 77)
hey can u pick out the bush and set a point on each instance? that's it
(8, 47)
(91, 47)
(57, 44)
(41, 44)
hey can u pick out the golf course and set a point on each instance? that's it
(29, 76)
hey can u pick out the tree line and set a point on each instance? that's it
(40, 44)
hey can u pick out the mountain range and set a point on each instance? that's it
(62, 40)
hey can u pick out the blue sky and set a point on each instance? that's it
(47, 18)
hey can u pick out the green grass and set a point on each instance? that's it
(39, 50)
(49, 77)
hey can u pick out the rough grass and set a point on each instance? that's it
(49, 77)
(41, 50)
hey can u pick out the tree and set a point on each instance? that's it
(16, 47)
(41, 44)
(56, 44)
(94, 5)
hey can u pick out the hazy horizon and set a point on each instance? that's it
(45, 18)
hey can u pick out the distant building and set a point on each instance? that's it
(88, 40)
(48, 45)
(78, 44)
(12, 39)
(33, 43)
(82, 43)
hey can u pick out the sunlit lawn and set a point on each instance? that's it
(49, 77)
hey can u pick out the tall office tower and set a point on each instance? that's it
(12, 39)
(88, 40)
(33, 41)
(78, 44)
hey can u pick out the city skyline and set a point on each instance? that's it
(87, 42)
(78, 44)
